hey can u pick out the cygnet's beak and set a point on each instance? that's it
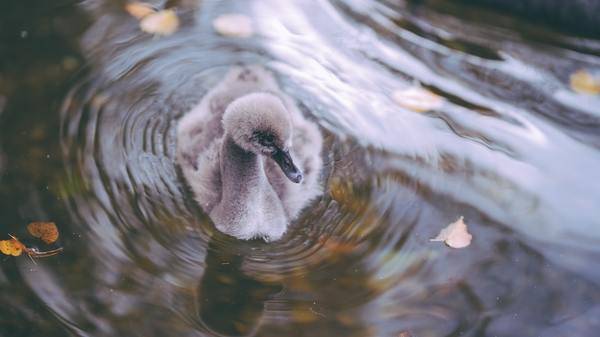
(283, 158)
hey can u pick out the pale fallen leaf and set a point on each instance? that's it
(417, 99)
(455, 234)
(139, 10)
(233, 25)
(585, 83)
(164, 23)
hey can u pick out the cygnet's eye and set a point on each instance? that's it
(265, 139)
(268, 140)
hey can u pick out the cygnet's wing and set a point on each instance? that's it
(199, 135)
(205, 178)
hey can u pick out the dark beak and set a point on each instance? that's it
(283, 159)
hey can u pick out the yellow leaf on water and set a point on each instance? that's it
(11, 247)
(163, 23)
(46, 231)
(455, 234)
(234, 25)
(417, 99)
(585, 83)
(139, 10)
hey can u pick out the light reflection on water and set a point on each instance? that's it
(513, 150)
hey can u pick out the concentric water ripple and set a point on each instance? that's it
(513, 150)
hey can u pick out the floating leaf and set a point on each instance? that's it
(46, 231)
(417, 99)
(455, 234)
(163, 23)
(585, 83)
(139, 10)
(233, 25)
(11, 247)
(14, 247)
(405, 334)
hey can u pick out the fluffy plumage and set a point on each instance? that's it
(225, 149)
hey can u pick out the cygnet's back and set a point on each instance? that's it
(255, 174)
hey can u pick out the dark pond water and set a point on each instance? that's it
(88, 110)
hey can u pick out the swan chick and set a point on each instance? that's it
(250, 157)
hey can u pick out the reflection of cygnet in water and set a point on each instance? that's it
(250, 157)
(229, 303)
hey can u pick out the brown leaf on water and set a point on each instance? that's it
(139, 10)
(11, 247)
(405, 334)
(46, 231)
(455, 234)
(417, 99)
(234, 25)
(164, 23)
(585, 83)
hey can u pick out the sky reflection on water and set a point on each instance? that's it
(512, 149)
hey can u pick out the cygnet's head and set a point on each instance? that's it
(260, 123)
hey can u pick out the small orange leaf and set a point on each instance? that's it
(164, 23)
(11, 247)
(46, 231)
(139, 10)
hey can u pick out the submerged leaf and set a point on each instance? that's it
(163, 23)
(46, 231)
(234, 25)
(11, 247)
(455, 235)
(417, 99)
(585, 83)
(139, 10)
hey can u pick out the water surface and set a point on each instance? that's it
(88, 111)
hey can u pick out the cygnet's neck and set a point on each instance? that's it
(243, 170)
(249, 205)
